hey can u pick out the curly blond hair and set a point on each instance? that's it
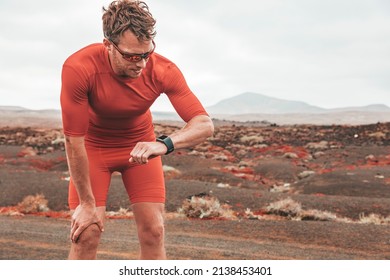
(130, 15)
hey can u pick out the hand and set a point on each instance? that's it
(83, 217)
(144, 151)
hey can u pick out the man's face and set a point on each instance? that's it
(123, 64)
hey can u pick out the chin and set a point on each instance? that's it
(129, 75)
(133, 75)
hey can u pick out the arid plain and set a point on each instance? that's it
(255, 190)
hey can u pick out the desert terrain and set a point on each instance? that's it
(255, 190)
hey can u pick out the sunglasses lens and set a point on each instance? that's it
(136, 58)
(133, 58)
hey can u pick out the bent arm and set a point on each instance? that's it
(85, 214)
(79, 168)
(197, 130)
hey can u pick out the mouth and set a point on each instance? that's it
(136, 72)
(131, 73)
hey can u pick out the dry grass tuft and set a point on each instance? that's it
(374, 219)
(293, 210)
(285, 188)
(206, 207)
(121, 213)
(33, 204)
(317, 215)
(285, 207)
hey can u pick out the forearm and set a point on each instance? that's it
(194, 132)
(79, 168)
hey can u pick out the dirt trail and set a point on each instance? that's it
(31, 237)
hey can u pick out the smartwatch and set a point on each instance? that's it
(167, 142)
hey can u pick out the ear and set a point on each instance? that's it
(107, 44)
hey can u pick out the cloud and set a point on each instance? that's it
(320, 52)
(315, 51)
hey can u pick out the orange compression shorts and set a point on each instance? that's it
(143, 182)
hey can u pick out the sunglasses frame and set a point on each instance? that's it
(133, 57)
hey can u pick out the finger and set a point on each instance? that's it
(80, 230)
(135, 150)
(146, 153)
(100, 225)
(134, 157)
(145, 159)
(72, 225)
(142, 157)
(72, 232)
(138, 158)
(77, 234)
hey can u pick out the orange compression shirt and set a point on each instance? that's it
(111, 111)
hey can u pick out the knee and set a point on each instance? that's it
(90, 237)
(151, 235)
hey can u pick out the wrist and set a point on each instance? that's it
(167, 141)
(90, 202)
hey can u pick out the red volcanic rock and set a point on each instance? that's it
(170, 172)
(41, 140)
(322, 145)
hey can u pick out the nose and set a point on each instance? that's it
(141, 64)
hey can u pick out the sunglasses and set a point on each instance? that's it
(134, 57)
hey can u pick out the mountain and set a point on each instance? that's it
(368, 108)
(19, 116)
(255, 103)
(12, 108)
(246, 107)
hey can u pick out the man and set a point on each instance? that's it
(107, 90)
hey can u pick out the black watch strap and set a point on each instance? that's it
(167, 142)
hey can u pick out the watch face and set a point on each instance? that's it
(167, 142)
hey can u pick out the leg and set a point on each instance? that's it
(150, 228)
(86, 246)
(100, 175)
(146, 189)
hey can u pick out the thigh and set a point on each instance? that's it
(145, 182)
(100, 177)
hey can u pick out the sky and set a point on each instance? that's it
(332, 54)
